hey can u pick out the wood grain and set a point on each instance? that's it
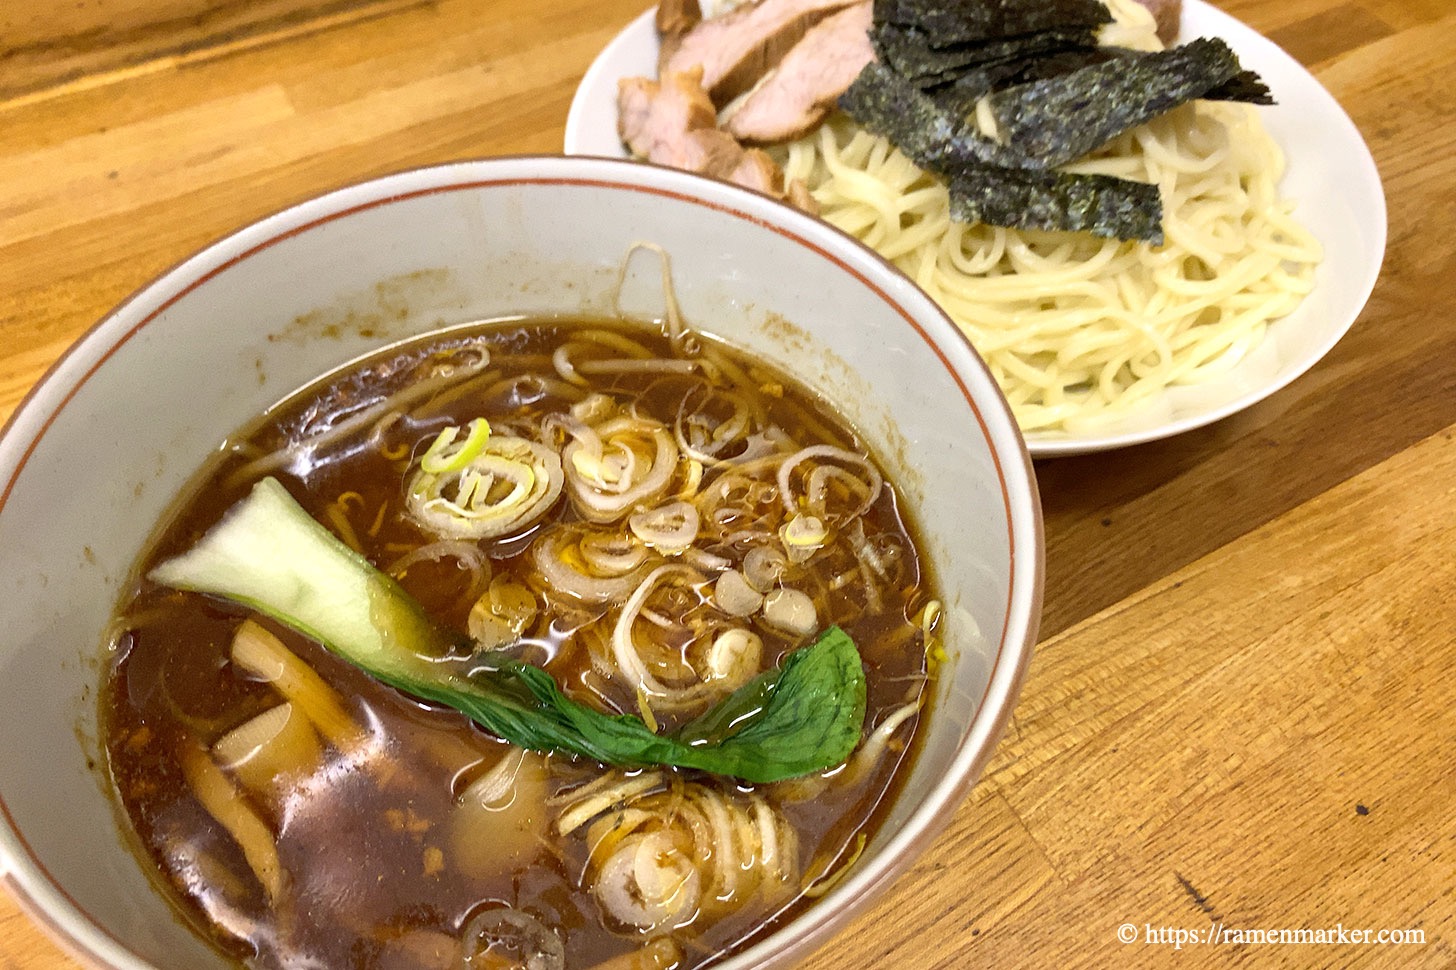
(46, 45)
(1216, 750)
(1240, 713)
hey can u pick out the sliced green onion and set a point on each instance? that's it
(803, 535)
(804, 530)
(465, 502)
(438, 460)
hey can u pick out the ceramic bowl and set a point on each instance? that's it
(103, 445)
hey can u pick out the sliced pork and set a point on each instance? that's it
(755, 170)
(1169, 16)
(743, 45)
(675, 17)
(712, 151)
(654, 118)
(801, 91)
(672, 122)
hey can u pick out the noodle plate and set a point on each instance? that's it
(1081, 332)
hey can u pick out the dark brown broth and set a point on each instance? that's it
(358, 838)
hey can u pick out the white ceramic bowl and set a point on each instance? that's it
(103, 444)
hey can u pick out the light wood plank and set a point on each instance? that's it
(1248, 626)
(44, 45)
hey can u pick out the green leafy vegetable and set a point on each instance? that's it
(269, 554)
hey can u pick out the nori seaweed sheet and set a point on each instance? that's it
(1055, 94)
(1059, 119)
(1024, 199)
(883, 102)
(987, 183)
(949, 22)
(961, 95)
(907, 50)
(1243, 86)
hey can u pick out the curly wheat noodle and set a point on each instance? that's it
(1080, 331)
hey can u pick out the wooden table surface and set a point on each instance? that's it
(1242, 713)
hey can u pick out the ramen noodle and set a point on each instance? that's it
(1081, 332)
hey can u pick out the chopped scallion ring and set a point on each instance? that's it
(440, 460)
(505, 485)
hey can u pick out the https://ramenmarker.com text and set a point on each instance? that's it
(1217, 934)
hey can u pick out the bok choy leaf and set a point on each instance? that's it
(269, 554)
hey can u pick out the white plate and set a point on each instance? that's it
(1331, 176)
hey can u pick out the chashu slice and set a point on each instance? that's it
(1168, 14)
(740, 47)
(672, 122)
(802, 90)
(674, 18)
(654, 118)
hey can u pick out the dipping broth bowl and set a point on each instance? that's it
(102, 446)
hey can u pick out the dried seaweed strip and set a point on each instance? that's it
(1059, 119)
(908, 52)
(960, 96)
(1244, 86)
(885, 103)
(949, 22)
(987, 184)
(1056, 64)
(1023, 199)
